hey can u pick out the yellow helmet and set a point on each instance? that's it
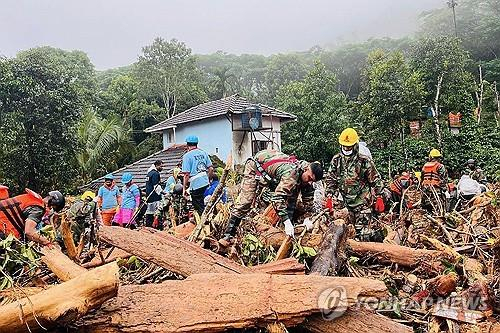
(434, 153)
(418, 174)
(88, 195)
(349, 137)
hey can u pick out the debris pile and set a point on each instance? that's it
(432, 273)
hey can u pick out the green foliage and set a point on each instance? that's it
(167, 71)
(254, 252)
(445, 56)
(302, 253)
(102, 142)
(18, 261)
(393, 94)
(44, 91)
(478, 26)
(321, 112)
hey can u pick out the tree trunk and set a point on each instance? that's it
(436, 110)
(401, 255)
(218, 302)
(177, 255)
(67, 237)
(63, 267)
(61, 304)
(331, 253)
(356, 321)
(288, 266)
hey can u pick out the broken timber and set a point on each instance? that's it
(62, 266)
(217, 302)
(61, 304)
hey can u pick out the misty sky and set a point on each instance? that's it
(112, 32)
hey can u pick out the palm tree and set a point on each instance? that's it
(102, 142)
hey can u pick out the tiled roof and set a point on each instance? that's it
(231, 104)
(170, 158)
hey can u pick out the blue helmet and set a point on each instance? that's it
(127, 177)
(192, 139)
(109, 176)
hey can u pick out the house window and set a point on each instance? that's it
(259, 145)
(170, 136)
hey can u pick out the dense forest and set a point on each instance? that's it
(63, 123)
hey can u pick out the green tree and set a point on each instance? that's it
(44, 91)
(168, 73)
(103, 142)
(321, 112)
(445, 57)
(281, 70)
(393, 95)
(478, 26)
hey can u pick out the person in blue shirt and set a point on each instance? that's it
(214, 182)
(197, 169)
(108, 199)
(131, 199)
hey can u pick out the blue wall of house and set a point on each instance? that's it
(215, 135)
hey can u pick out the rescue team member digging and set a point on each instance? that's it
(20, 215)
(286, 177)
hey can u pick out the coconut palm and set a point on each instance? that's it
(103, 142)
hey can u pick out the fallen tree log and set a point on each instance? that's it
(356, 321)
(61, 304)
(177, 255)
(288, 266)
(331, 253)
(401, 255)
(67, 236)
(62, 266)
(218, 302)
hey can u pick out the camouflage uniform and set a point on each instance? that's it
(354, 177)
(478, 175)
(285, 184)
(83, 215)
(180, 206)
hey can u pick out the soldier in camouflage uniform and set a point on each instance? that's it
(84, 215)
(285, 176)
(179, 203)
(476, 172)
(354, 177)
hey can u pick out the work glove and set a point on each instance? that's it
(308, 224)
(447, 195)
(289, 230)
(328, 204)
(379, 205)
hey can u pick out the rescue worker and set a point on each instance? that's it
(21, 214)
(175, 200)
(352, 177)
(399, 185)
(286, 177)
(84, 215)
(197, 168)
(153, 191)
(109, 199)
(434, 178)
(475, 172)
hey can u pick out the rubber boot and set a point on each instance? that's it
(232, 226)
